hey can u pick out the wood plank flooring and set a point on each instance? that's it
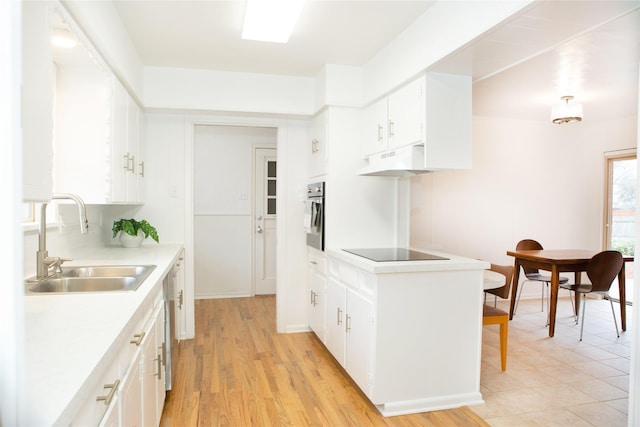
(238, 371)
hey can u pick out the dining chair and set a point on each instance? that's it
(602, 269)
(533, 275)
(503, 291)
(496, 316)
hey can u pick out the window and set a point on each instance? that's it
(271, 187)
(620, 211)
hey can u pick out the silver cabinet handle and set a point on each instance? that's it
(159, 360)
(339, 316)
(109, 397)
(391, 128)
(133, 164)
(180, 299)
(126, 161)
(379, 133)
(141, 164)
(348, 324)
(138, 339)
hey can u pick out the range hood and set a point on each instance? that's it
(402, 162)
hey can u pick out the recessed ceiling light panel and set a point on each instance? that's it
(270, 20)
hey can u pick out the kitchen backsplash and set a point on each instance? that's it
(64, 238)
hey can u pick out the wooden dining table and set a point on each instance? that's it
(559, 261)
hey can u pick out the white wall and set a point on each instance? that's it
(209, 90)
(529, 180)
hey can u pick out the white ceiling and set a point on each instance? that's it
(589, 49)
(206, 34)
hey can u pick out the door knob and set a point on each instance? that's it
(259, 230)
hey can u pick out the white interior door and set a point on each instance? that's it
(264, 240)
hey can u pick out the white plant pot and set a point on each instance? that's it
(129, 241)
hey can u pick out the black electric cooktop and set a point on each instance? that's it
(393, 254)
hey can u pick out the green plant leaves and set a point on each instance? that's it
(131, 226)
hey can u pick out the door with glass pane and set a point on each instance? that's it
(265, 221)
(620, 213)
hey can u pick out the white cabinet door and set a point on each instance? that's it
(336, 316)
(133, 127)
(120, 158)
(318, 145)
(142, 155)
(317, 303)
(112, 416)
(359, 335)
(131, 395)
(406, 114)
(151, 372)
(37, 102)
(160, 374)
(375, 130)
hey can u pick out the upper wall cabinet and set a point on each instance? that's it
(396, 120)
(318, 145)
(37, 101)
(432, 112)
(97, 134)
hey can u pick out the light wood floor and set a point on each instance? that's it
(239, 372)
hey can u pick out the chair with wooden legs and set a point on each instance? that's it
(534, 275)
(496, 316)
(602, 270)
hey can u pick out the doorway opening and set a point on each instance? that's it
(620, 211)
(223, 208)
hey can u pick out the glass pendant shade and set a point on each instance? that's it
(565, 112)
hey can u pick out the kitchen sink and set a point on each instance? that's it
(108, 271)
(103, 278)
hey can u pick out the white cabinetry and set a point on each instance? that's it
(391, 340)
(394, 121)
(349, 328)
(37, 102)
(152, 378)
(98, 135)
(318, 145)
(433, 111)
(317, 292)
(131, 390)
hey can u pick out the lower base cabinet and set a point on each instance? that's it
(132, 390)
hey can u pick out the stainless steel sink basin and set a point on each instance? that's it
(103, 278)
(108, 271)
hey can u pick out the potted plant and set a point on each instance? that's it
(133, 232)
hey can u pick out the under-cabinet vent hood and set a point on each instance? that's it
(402, 162)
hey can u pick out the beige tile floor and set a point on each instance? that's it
(557, 381)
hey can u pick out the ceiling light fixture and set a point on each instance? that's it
(270, 20)
(566, 113)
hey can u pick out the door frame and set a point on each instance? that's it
(189, 242)
(254, 149)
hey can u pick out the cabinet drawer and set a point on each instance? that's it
(345, 273)
(317, 261)
(105, 389)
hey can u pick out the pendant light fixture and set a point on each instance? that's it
(564, 112)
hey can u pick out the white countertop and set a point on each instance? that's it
(454, 262)
(66, 336)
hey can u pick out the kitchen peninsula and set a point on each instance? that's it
(409, 333)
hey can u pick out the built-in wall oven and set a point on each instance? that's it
(314, 215)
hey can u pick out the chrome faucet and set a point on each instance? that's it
(43, 260)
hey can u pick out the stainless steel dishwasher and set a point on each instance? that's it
(170, 300)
